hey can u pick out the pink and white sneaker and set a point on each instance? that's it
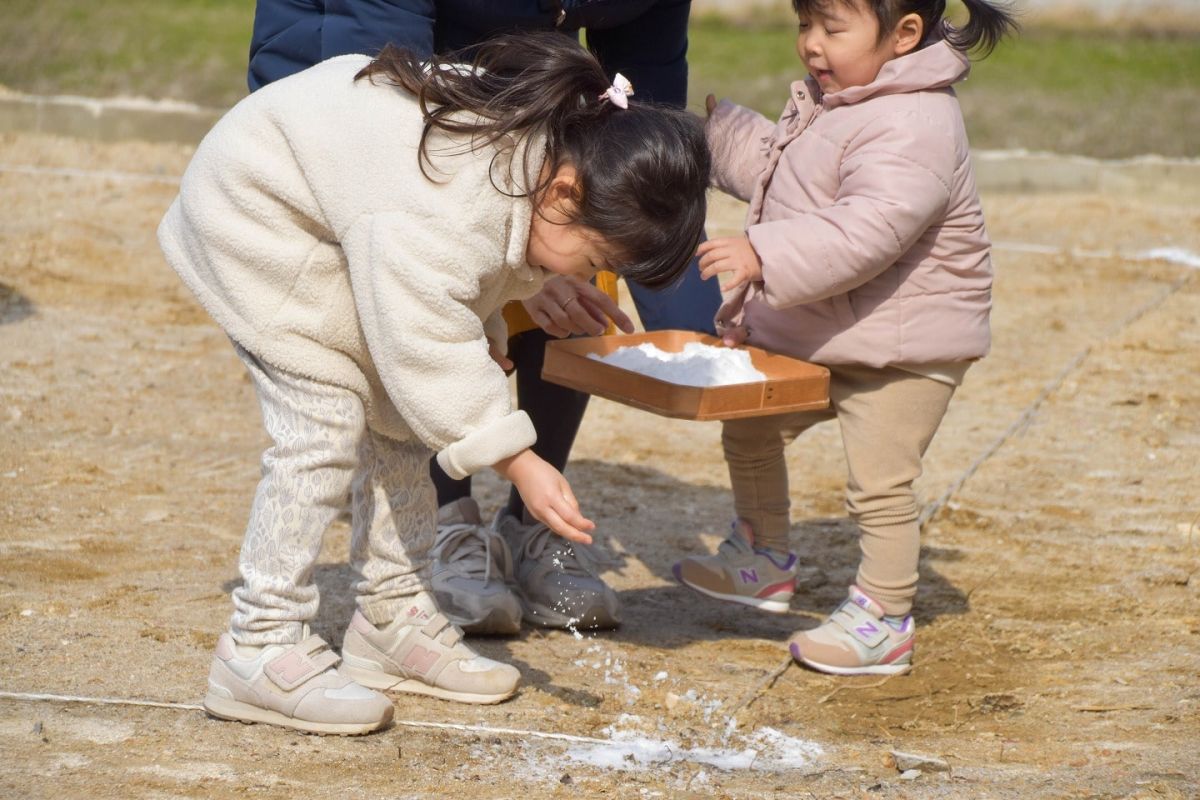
(856, 640)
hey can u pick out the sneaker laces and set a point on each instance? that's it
(568, 557)
(466, 549)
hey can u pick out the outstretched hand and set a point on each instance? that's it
(547, 495)
(732, 254)
(567, 306)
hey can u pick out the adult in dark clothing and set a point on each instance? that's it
(556, 582)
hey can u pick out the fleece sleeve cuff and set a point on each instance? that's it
(485, 446)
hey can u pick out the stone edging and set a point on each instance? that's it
(996, 170)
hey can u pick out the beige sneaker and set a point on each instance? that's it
(741, 573)
(857, 640)
(421, 652)
(293, 686)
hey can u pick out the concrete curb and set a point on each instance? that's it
(110, 120)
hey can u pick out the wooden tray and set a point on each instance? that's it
(791, 384)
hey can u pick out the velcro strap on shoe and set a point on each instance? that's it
(860, 624)
(303, 661)
(437, 624)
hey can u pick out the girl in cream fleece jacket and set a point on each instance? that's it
(865, 251)
(356, 229)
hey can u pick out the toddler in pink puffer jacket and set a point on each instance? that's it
(865, 251)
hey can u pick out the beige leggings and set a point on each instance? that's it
(888, 418)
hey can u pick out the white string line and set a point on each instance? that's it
(1026, 416)
(118, 701)
(70, 172)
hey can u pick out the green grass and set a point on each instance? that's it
(193, 50)
(1087, 91)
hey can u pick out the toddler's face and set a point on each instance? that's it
(840, 45)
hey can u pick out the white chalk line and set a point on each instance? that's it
(121, 701)
(1172, 255)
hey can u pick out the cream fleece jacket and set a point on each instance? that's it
(305, 227)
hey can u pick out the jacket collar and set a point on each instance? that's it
(934, 66)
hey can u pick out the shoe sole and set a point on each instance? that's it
(874, 669)
(770, 606)
(595, 618)
(375, 679)
(237, 711)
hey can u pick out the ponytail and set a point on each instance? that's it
(987, 24)
(642, 171)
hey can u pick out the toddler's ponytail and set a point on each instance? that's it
(642, 170)
(987, 25)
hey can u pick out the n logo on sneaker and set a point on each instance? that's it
(420, 660)
(866, 630)
(748, 575)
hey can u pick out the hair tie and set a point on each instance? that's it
(618, 93)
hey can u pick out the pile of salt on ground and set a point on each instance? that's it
(696, 365)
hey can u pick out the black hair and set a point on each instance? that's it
(642, 172)
(986, 25)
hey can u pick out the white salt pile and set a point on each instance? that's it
(696, 365)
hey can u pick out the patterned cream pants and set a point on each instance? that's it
(322, 453)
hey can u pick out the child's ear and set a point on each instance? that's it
(908, 34)
(564, 186)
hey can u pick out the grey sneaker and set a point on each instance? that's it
(293, 686)
(472, 569)
(421, 652)
(558, 581)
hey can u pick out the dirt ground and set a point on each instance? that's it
(1059, 645)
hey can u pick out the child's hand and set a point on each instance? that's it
(547, 495)
(504, 361)
(734, 255)
(567, 306)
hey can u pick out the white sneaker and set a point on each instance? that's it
(472, 569)
(421, 652)
(293, 686)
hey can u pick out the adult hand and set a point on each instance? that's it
(567, 306)
(732, 254)
(547, 495)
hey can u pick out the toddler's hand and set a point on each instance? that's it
(732, 254)
(547, 495)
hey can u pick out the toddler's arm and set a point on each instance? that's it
(547, 495)
(894, 183)
(737, 140)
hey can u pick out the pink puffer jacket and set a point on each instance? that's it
(864, 211)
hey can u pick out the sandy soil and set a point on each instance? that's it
(1060, 633)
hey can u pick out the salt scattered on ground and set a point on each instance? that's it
(696, 365)
(765, 749)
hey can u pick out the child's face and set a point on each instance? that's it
(564, 249)
(840, 45)
(558, 244)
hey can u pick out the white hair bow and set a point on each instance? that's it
(618, 93)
